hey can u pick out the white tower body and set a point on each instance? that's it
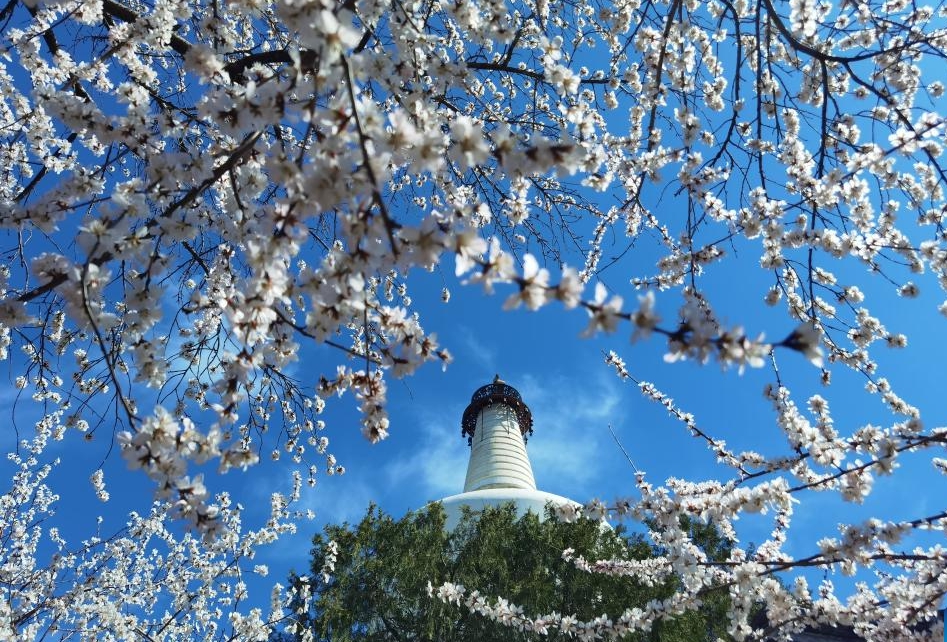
(498, 456)
(496, 424)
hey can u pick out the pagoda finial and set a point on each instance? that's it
(498, 392)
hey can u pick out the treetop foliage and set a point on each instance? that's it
(382, 568)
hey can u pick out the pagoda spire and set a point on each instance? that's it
(496, 424)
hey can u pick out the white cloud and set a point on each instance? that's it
(475, 351)
(438, 463)
(571, 418)
(337, 500)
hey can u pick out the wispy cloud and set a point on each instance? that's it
(438, 462)
(476, 352)
(340, 500)
(571, 415)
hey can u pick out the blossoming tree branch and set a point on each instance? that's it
(192, 192)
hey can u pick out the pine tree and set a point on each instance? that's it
(379, 588)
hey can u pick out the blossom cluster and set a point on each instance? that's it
(147, 576)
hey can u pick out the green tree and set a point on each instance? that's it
(379, 587)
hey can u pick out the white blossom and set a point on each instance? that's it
(196, 197)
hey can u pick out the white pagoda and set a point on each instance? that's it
(496, 424)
